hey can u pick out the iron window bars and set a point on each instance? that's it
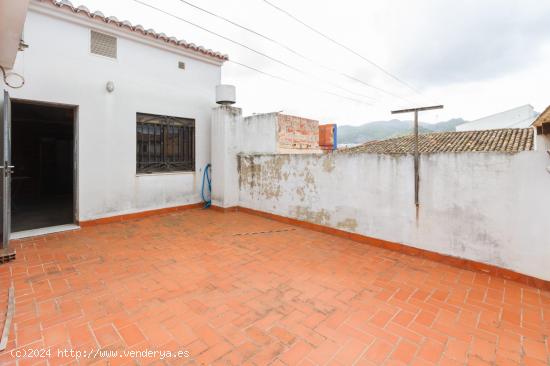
(165, 144)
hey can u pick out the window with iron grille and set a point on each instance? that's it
(165, 144)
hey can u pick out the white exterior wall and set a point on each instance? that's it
(542, 142)
(486, 207)
(59, 68)
(258, 134)
(520, 117)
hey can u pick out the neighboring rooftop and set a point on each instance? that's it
(544, 117)
(519, 117)
(125, 24)
(501, 140)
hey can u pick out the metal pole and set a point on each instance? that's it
(416, 148)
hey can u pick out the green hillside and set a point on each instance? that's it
(381, 130)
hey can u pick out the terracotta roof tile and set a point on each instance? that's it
(503, 140)
(161, 37)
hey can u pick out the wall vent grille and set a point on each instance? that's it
(103, 44)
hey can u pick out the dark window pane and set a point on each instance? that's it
(164, 144)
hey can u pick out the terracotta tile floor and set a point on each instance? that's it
(239, 289)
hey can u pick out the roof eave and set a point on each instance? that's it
(12, 20)
(542, 117)
(124, 30)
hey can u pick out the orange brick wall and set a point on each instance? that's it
(297, 133)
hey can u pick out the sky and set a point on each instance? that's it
(474, 57)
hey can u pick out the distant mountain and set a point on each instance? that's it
(381, 130)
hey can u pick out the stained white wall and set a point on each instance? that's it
(487, 207)
(59, 68)
(231, 135)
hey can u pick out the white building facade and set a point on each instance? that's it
(107, 86)
(520, 117)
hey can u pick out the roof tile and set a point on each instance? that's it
(502, 140)
(99, 16)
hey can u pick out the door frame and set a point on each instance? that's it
(5, 157)
(75, 109)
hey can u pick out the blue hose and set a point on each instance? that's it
(206, 176)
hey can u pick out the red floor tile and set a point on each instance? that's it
(234, 289)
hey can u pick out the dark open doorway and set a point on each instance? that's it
(43, 156)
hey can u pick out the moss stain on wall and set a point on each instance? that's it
(347, 224)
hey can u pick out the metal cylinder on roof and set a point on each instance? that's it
(225, 94)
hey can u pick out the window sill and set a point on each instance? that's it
(139, 175)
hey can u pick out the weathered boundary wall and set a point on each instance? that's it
(486, 207)
(268, 133)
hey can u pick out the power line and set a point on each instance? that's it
(287, 13)
(296, 83)
(248, 48)
(293, 51)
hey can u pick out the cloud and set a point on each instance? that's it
(463, 41)
(476, 57)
